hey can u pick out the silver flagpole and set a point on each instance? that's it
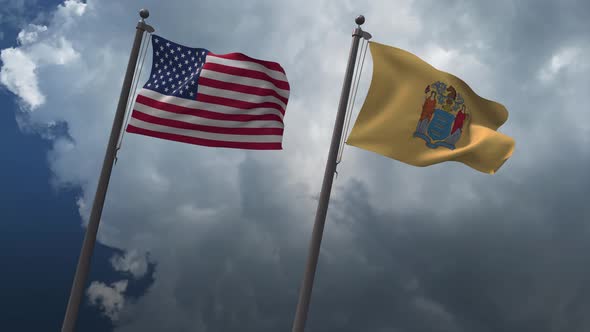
(320, 217)
(83, 267)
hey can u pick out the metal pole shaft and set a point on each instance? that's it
(83, 267)
(320, 218)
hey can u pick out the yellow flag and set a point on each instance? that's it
(421, 116)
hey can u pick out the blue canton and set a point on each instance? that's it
(175, 68)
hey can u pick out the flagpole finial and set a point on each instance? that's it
(144, 13)
(360, 20)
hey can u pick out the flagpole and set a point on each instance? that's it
(320, 218)
(83, 268)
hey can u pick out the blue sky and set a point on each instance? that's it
(40, 236)
(40, 233)
(200, 239)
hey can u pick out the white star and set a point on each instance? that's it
(161, 48)
(155, 81)
(154, 76)
(175, 58)
(157, 86)
(149, 84)
(177, 75)
(182, 55)
(183, 72)
(174, 86)
(192, 94)
(178, 48)
(166, 55)
(167, 44)
(165, 67)
(168, 73)
(161, 76)
(170, 79)
(157, 53)
(180, 65)
(186, 61)
(162, 60)
(174, 69)
(166, 90)
(179, 82)
(160, 71)
(192, 58)
(171, 62)
(156, 40)
(171, 51)
(193, 82)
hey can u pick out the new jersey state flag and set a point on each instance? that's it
(421, 116)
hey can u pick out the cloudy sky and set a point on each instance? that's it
(202, 239)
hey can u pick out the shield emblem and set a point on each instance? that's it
(441, 124)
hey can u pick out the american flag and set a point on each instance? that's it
(219, 100)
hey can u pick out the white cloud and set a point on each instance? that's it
(21, 65)
(30, 34)
(72, 8)
(109, 299)
(559, 61)
(433, 310)
(132, 261)
(40, 48)
(18, 75)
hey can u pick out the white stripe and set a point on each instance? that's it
(193, 104)
(277, 75)
(244, 81)
(204, 121)
(205, 135)
(240, 96)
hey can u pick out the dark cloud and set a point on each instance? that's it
(500, 265)
(509, 263)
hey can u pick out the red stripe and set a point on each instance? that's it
(205, 142)
(245, 73)
(204, 113)
(210, 129)
(241, 88)
(243, 57)
(245, 105)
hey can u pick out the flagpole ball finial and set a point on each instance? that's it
(144, 13)
(360, 20)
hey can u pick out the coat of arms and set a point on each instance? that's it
(443, 116)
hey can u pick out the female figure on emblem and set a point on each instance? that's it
(460, 119)
(427, 111)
